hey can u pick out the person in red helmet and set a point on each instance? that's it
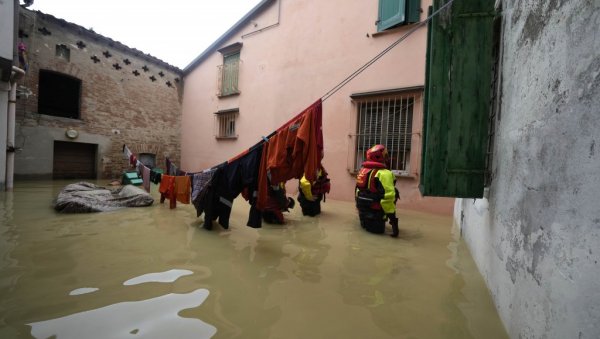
(376, 194)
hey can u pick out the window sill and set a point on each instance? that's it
(49, 117)
(405, 175)
(228, 94)
(226, 137)
(392, 30)
(397, 174)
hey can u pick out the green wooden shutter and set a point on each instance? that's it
(413, 11)
(391, 13)
(230, 74)
(458, 92)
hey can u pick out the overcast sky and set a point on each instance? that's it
(174, 31)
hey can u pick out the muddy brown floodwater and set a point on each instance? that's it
(154, 273)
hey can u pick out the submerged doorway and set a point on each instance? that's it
(74, 160)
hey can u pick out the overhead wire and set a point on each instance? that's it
(384, 52)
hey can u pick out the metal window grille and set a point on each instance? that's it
(229, 75)
(225, 124)
(386, 121)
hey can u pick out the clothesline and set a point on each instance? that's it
(174, 187)
(140, 167)
(294, 150)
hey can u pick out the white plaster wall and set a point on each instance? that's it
(4, 94)
(6, 51)
(7, 11)
(536, 239)
(39, 161)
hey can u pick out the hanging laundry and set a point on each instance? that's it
(226, 190)
(155, 176)
(183, 189)
(242, 174)
(146, 178)
(132, 160)
(294, 150)
(202, 190)
(207, 199)
(167, 190)
(249, 168)
(215, 190)
(23, 59)
(127, 152)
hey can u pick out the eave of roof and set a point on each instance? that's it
(213, 47)
(110, 42)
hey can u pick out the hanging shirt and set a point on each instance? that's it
(155, 177)
(167, 190)
(183, 189)
(146, 178)
(294, 150)
(201, 188)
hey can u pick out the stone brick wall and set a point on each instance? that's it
(116, 104)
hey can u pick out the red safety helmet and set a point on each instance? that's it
(378, 153)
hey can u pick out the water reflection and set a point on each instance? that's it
(162, 277)
(83, 290)
(320, 277)
(152, 318)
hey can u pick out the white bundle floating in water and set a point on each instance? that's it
(85, 197)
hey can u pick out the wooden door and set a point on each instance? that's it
(74, 160)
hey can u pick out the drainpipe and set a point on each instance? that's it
(17, 73)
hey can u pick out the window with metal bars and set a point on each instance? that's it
(386, 121)
(225, 124)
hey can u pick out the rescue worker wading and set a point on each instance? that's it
(376, 194)
(310, 196)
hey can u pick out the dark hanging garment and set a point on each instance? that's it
(254, 216)
(206, 199)
(155, 177)
(228, 181)
(167, 166)
(249, 171)
(201, 183)
(232, 179)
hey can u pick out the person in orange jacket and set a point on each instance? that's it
(376, 194)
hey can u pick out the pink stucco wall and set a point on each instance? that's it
(312, 47)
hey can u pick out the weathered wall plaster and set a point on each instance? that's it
(536, 239)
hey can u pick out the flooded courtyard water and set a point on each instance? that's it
(155, 273)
